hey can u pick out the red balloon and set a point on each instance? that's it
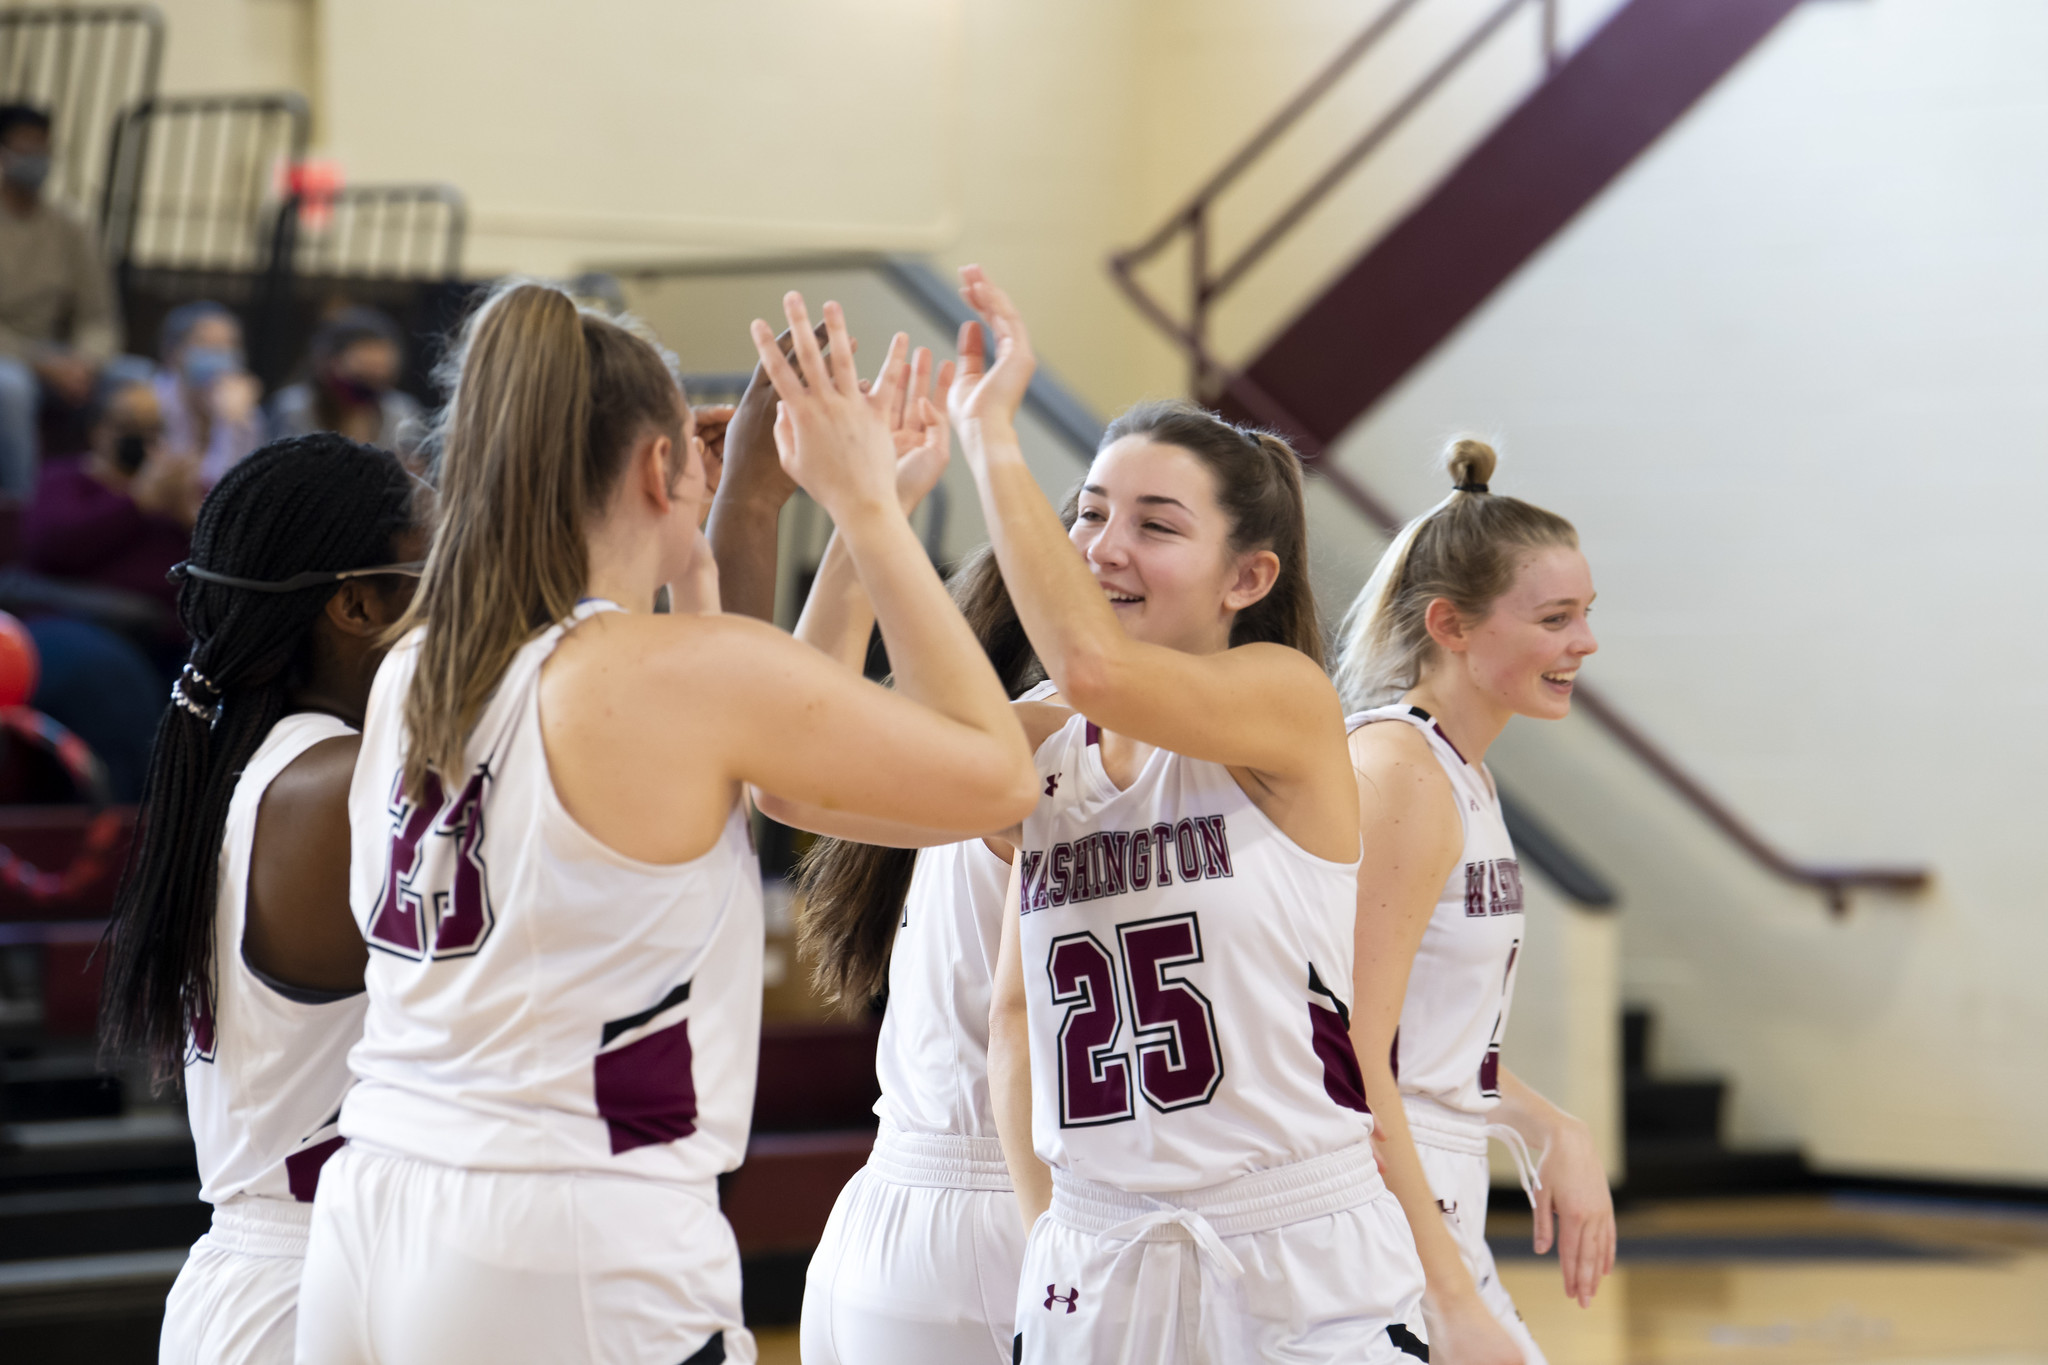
(19, 663)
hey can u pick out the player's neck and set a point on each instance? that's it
(1471, 720)
(623, 570)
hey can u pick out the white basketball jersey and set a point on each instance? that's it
(1448, 1045)
(932, 1058)
(266, 1074)
(1188, 972)
(539, 1001)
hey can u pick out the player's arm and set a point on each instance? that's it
(299, 928)
(1038, 720)
(1573, 1196)
(746, 512)
(1412, 837)
(1262, 706)
(1009, 1066)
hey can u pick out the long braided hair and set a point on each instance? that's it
(317, 502)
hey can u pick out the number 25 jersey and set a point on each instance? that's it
(1187, 968)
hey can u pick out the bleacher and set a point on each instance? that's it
(209, 196)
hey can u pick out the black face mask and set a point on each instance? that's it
(129, 453)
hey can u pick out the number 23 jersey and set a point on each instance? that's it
(1187, 968)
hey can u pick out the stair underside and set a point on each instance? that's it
(1629, 83)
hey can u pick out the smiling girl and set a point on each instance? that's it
(1476, 614)
(1168, 1065)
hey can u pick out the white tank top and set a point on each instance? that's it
(1448, 1046)
(266, 1074)
(539, 1001)
(1188, 973)
(932, 1059)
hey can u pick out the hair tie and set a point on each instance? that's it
(1468, 488)
(209, 710)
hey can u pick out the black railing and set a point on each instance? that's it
(194, 180)
(83, 64)
(386, 232)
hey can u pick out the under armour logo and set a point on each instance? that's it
(1070, 1298)
(1472, 803)
(1052, 784)
(1449, 1206)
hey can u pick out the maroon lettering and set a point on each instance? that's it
(1161, 836)
(1095, 1077)
(1188, 850)
(1062, 860)
(1215, 846)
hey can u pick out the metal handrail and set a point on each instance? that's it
(1192, 219)
(1214, 379)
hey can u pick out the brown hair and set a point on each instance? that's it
(1466, 550)
(850, 893)
(547, 401)
(1258, 485)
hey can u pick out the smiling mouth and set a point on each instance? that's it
(1121, 599)
(1563, 680)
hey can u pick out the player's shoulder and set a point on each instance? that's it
(663, 648)
(317, 780)
(1041, 719)
(1397, 770)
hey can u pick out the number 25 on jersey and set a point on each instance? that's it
(1179, 1060)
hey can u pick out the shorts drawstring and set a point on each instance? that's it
(1198, 1227)
(1529, 1169)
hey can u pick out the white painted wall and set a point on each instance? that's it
(1786, 375)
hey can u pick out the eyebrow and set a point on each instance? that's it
(1152, 499)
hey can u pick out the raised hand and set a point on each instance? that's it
(985, 392)
(919, 432)
(831, 438)
(713, 420)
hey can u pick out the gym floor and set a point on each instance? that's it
(1806, 1280)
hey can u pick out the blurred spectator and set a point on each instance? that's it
(352, 371)
(57, 317)
(120, 515)
(206, 393)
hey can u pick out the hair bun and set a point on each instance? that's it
(1470, 463)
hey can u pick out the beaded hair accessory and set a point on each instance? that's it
(196, 694)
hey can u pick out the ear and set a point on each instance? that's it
(357, 609)
(1445, 626)
(1257, 572)
(651, 467)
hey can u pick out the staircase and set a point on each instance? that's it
(1672, 1132)
(1598, 110)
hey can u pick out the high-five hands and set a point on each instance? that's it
(834, 440)
(985, 394)
(919, 430)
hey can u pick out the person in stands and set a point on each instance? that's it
(352, 370)
(120, 515)
(205, 390)
(58, 323)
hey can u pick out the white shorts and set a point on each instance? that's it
(412, 1263)
(1305, 1263)
(236, 1301)
(919, 1261)
(1453, 1153)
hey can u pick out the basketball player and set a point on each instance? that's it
(552, 862)
(1476, 613)
(231, 951)
(918, 1263)
(1166, 1030)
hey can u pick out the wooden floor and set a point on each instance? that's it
(1819, 1280)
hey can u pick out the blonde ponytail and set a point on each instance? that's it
(548, 400)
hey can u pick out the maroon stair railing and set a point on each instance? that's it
(1217, 381)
